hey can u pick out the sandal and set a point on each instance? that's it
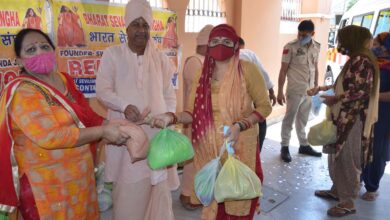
(339, 211)
(370, 196)
(186, 203)
(326, 194)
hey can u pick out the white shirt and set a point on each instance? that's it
(143, 81)
(248, 55)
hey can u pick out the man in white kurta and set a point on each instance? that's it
(132, 77)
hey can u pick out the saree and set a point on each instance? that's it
(37, 168)
(70, 33)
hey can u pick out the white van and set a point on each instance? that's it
(372, 14)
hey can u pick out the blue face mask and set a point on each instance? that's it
(305, 40)
(377, 51)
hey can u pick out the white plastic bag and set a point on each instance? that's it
(205, 179)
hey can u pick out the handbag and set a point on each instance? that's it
(323, 133)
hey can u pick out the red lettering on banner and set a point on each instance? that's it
(1, 82)
(89, 67)
(75, 68)
(97, 22)
(87, 18)
(157, 25)
(85, 67)
(96, 19)
(122, 21)
(116, 21)
(9, 19)
(97, 64)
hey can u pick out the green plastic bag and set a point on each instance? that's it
(167, 148)
(4, 216)
(236, 181)
(323, 133)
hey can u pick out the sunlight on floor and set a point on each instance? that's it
(387, 170)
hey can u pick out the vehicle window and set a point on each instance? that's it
(343, 23)
(367, 20)
(363, 20)
(357, 20)
(383, 23)
(331, 38)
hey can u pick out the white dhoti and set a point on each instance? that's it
(142, 201)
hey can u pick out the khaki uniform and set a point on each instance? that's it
(302, 62)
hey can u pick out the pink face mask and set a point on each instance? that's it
(40, 64)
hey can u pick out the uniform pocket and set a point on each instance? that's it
(315, 57)
(300, 59)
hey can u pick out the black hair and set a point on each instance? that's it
(242, 42)
(28, 11)
(63, 9)
(306, 25)
(22, 34)
(171, 19)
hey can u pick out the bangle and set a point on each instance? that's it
(247, 123)
(174, 118)
(188, 112)
(244, 124)
(259, 116)
(240, 125)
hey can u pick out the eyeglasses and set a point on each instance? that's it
(221, 40)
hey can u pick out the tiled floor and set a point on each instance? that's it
(298, 180)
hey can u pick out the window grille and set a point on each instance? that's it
(291, 9)
(153, 3)
(202, 12)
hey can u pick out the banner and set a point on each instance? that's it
(14, 17)
(83, 30)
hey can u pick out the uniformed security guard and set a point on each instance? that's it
(300, 65)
